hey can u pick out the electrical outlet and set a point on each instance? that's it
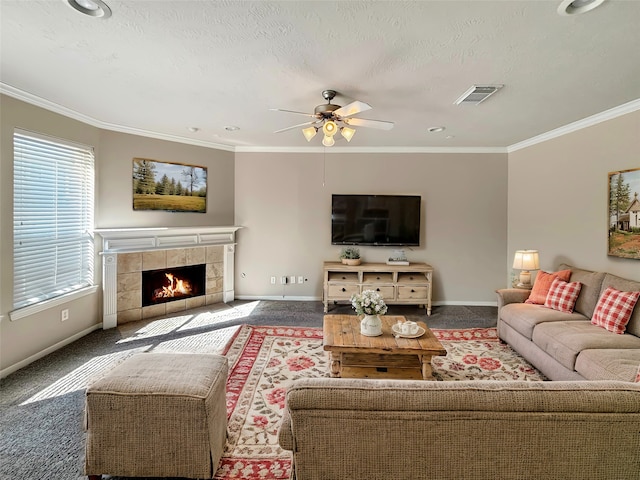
(293, 279)
(64, 315)
(283, 280)
(300, 279)
(273, 280)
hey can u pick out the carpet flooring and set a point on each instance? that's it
(42, 405)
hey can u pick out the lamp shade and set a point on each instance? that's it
(526, 260)
(347, 133)
(309, 133)
(328, 141)
(329, 128)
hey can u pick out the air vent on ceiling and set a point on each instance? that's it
(477, 94)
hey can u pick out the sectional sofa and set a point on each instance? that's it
(584, 425)
(568, 346)
(362, 429)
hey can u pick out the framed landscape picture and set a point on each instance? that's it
(173, 187)
(624, 213)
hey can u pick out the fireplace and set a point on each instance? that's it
(169, 284)
(128, 252)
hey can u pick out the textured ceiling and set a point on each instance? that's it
(160, 67)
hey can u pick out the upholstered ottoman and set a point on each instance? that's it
(158, 415)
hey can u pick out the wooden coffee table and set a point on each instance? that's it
(355, 355)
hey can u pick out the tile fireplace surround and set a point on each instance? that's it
(127, 252)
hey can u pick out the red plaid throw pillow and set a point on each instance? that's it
(614, 309)
(562, 296)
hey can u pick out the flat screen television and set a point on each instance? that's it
(382, 220)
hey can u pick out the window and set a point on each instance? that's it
(53, 249)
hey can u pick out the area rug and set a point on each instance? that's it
(263, 361)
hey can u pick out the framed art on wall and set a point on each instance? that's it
(173, 187)
(624, 213)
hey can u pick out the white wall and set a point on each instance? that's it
(284, 202)
(558, 195)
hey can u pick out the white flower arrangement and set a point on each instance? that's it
(369, 302)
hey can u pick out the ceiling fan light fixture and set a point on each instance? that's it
(328, 141)
(332, 119)
(347, 133)
(309, 133)
(329, 128)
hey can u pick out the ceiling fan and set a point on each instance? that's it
(332, 119)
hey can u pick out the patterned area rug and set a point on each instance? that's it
(263, 361)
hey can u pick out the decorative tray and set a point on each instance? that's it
(398, 333)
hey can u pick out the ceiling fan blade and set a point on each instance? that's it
(292, 111)
(363, 122)
(352, 109)
(295, 126)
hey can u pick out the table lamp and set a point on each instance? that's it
(525, 261)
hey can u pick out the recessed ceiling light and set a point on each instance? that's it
(435, 129)
(231, 128)
(574, 7)
(193, 129)
(93, 8)
(449, 137)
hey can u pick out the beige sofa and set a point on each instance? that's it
(396, 429)
(566, 346)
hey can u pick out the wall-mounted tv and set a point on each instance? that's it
(382, 220)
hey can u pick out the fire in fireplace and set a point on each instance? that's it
(169, 284)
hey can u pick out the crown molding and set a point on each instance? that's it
(628, 107)
(54, 107)
(67, 112)
(610, 114)
(170, 138)
(330, 150)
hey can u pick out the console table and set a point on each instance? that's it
(398, 284)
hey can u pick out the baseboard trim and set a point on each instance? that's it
(37, 356)
(278, 297)
(468, 303)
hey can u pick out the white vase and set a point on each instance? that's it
(371, 326)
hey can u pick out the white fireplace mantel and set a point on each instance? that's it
(124, 240)
(131, 240)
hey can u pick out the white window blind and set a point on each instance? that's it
(53, 249)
